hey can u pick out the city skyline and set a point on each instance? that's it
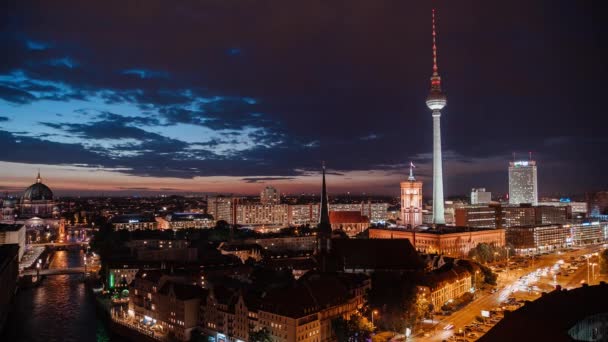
(107, 112)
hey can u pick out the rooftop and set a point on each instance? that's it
(188, 217)
(132, 218)
(4, 227)
(440, 229)
(8, 252)
(376, 254)
(347, 217)
(553, 316)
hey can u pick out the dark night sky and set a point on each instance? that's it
(227, 95)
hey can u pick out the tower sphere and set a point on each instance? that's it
(436, 100)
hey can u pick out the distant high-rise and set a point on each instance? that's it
(523, 182)
(270, 195)
(480, 196)
(436, 101)
(411, 200)
(221, 208)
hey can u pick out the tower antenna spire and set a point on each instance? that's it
(411, 177)
(435, 78)
(435, 68)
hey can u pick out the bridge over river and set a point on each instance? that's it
(56, 271)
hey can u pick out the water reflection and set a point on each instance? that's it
(59, 310)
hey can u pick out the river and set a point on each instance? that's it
(60, 309)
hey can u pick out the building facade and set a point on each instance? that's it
(588, 232)
(303, 214)
(451, 241)
(351, 222)
(301, 313)
(444, 286)
(9, 273)
(479, 216)
(270, 195)
(523, 182)
(480, 196)
(13, 234)
(166, 306)
(177, 221)
(411, 201)
(539, 238)
(262, 214)
(220, 208)
(134, 222)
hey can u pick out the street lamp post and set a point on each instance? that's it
(374, 312)
(85, 265)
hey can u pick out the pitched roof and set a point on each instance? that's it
(395, 254)
(310, 294)
(183, 291)
(347, 217)
(551, 317)
(448, 273)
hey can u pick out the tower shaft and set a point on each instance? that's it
(438, 204)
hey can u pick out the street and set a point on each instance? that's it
(520, 283)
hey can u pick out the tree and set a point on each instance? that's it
(395, 296)
(262, 335)
(489, 277)
(484, 253)
(604, 261)
(355, 329)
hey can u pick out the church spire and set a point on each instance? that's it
(324, 215)
(324, 227)
(38, 179)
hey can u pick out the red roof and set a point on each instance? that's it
(347, 217)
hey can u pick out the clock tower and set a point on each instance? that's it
(411, 200)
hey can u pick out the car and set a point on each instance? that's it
(472, 335)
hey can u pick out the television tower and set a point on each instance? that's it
(436, 101)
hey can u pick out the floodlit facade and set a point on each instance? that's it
(586, 233)
(523, 182)
(451, 241)
(220, 208)
(539, 238)
(262, 214)
(411, 201)
(480, 196)
(177, 221)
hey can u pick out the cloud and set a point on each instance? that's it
(15, 95)
(211, 96)
(265, 179)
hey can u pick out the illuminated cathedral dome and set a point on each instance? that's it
(38, 192)
(37, 201)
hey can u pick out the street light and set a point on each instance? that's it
(374, 312)
(588, 256)
(593, 264)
